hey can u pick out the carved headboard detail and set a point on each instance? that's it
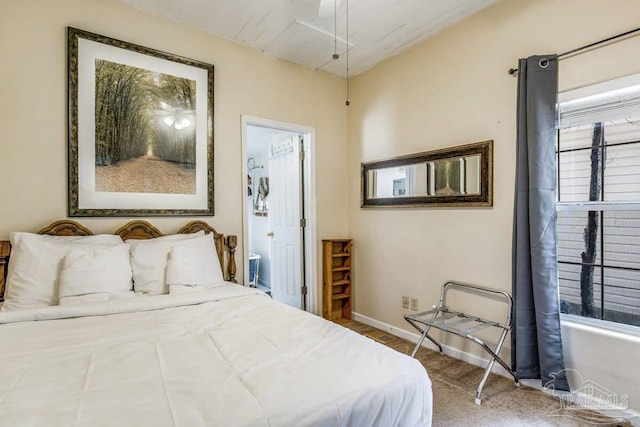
(5, 250)
(66, 227)
(136, 229)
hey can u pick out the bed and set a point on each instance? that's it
(227, 355)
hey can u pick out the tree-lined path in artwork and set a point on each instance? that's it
(145, 139)
(146, 174)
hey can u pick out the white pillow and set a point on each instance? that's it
(194, 263)
(84, 299)
(96, 271)
(149, 261)
(186, 289)
(17, 236)
(35, 265)
(169, 237)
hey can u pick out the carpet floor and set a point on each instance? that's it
(454, 383)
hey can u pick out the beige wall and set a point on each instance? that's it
(454, 89)
(33, 111)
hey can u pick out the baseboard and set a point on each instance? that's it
(414, 337)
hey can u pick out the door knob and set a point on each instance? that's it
(270, 234)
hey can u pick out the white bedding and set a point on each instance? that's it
(229, 356)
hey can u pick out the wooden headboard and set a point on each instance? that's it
(137, 229)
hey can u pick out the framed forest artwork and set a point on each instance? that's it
(140, 130)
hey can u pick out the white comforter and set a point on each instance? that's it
(227, 357)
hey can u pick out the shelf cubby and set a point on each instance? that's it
(336, 284)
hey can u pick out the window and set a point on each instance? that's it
(598, 156)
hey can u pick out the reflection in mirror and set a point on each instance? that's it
(447, 177)
(401, 181)
(460, 176)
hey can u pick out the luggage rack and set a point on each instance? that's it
(465, 325)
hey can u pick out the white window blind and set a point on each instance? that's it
(615, 104)
(610, 100)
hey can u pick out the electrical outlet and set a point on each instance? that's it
(405, 302)
(414, 304)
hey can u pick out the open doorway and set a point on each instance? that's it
(279, 211)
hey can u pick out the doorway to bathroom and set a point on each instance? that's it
(279, 210)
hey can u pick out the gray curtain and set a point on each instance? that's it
(536, 341)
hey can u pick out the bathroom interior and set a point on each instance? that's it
(259, 140)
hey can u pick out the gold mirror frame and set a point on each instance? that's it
(484, 198)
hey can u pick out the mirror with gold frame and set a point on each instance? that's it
(456, 177)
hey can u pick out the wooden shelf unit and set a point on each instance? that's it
(336, 282)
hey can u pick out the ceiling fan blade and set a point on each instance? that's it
(328, 7)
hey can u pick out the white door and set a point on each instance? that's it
(284, 222)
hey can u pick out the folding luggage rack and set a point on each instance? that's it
(452, 321)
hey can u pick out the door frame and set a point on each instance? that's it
(309, 177)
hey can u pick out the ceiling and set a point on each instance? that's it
(299, 31)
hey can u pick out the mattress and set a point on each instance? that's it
(228, 357)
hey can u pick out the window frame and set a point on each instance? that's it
(600, 206)
(605, 325)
